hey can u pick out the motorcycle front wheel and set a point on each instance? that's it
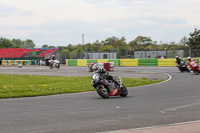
(102, 91)
(58, 66)
(124, 91)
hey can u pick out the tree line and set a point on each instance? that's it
(139, 43)
(16, 43)
(113, 44)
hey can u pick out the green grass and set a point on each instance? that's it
(13, 86)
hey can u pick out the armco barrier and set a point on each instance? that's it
(82, 62)
(166, 62)
(128, 62)
(116, 61)
(91, 61)
(32, 62)
(12, 62)
(72, 62)
(9, 62)
(122, 62)
(16, 62)
(3, 62)
(67, 62)
(102, 60)
(147, 62)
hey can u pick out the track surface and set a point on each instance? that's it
(175, 101)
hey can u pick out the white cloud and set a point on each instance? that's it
(63, 21)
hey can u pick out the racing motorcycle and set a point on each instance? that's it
(183, 67)
(54, 64)
(195, 67)
(106, 88)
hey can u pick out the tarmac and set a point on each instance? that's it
(187, 127)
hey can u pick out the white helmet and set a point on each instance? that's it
(177, 57)
(188, 57)
(95, 67)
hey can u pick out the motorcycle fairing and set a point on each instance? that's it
(115, 92)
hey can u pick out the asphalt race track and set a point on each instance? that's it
(174, 101)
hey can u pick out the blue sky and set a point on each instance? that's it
(62, 22)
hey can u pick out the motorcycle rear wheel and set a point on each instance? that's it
(124, 92)
(103, 92)
(50, 66)
(58, 66)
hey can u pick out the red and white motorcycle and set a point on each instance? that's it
(195, 67)
(54, 64)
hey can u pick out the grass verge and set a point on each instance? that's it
(13, 86)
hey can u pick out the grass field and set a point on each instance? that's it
(13, 86)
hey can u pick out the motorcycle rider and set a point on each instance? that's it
(53, 57)
(97, 69)
(178, 61)
(189, 61)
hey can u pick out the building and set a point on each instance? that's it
(101, 55)
(158, 54)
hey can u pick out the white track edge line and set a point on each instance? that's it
(142, 128)
(170, 77)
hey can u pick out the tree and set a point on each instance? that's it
(28, 44)
(70, 48)
(194, 39)
(107, 48)
(17, 43)
(183, 41)
(5, 43)
(140, 43)
(45, 46)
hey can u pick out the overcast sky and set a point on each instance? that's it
(62, 22)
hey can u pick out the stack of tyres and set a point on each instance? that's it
(89, 67)
(101, 64)
(112, 64)
(107, 66)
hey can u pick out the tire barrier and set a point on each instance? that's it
(81, 62)
(147, 62)
(72, 62)
(166, 62)
(109, 66)
(128, 62)
(84, 62)
(17, 62)
(124, 62)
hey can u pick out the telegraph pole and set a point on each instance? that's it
(83, 39)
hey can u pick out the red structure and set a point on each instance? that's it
(20, 52)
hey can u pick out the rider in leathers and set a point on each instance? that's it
(178, 61)
(97, 69)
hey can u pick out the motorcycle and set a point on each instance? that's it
(183, 67)
(54, 64)
(106, 88)
(195, 67)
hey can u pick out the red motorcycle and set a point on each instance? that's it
(195, 67)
